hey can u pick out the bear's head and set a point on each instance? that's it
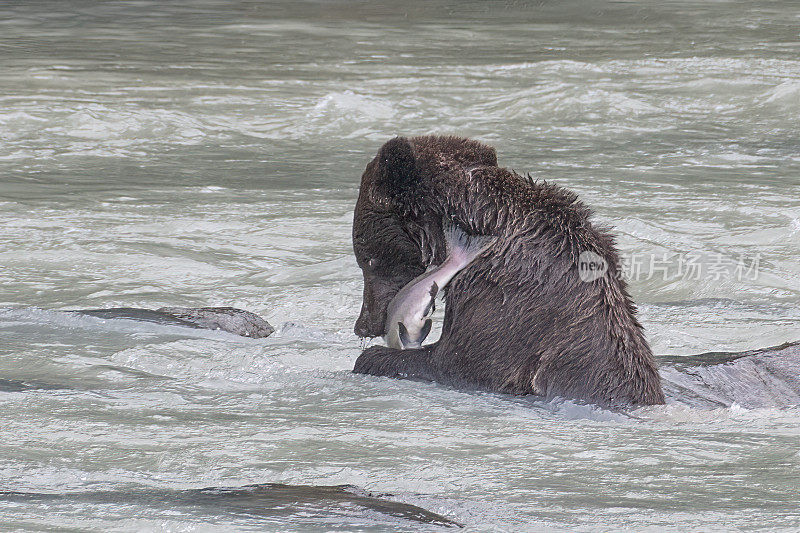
(388, 255)
(397, 230)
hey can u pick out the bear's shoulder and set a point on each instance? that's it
(518, 199)
(437, 154)
(460, 178)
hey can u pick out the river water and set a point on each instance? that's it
(209, 153)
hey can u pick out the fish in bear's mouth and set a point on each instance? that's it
(408, 321)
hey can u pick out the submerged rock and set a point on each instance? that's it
(311, 505)
(764, 378)
(229, 319)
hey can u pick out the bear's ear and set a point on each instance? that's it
(397, 168)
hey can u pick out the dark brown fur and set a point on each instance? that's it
(518, 319)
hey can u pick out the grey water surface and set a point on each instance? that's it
(208, 153)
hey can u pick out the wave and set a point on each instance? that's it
(566, 96)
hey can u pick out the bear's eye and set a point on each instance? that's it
(372, 263)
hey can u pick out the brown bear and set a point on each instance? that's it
(521, 318)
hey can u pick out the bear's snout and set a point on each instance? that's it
(369, 324)
(361, 329)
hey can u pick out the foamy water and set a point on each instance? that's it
(209, 154)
